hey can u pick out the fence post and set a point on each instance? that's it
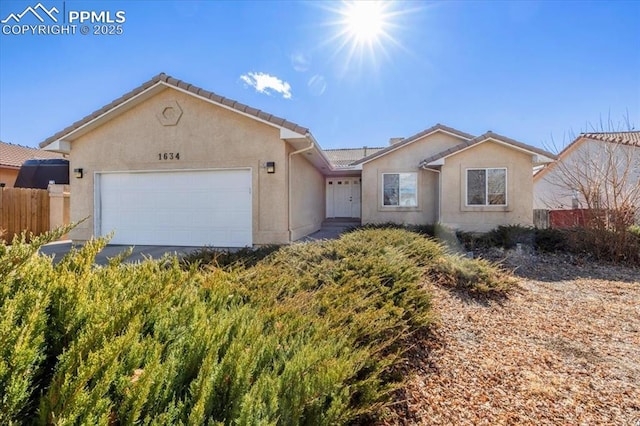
(58, 205)
(541, 218)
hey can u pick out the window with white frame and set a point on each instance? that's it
(400, 189)
(487, 187)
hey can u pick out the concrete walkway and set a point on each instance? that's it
(331, 229)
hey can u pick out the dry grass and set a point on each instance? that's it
(554, 352)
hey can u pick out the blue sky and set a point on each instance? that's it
(533, 71)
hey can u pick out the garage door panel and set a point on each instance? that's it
(177, 208)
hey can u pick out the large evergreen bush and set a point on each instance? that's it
(311, 334)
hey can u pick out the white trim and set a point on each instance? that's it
(486, 187)
(401, 145)
(287, 133)
(61, 146)
(399, 206)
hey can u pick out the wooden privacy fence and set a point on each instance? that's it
(568, 218)
(23, 210)
(32, 210)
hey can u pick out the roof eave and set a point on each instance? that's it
(99, 118)
(159, 83)
(316, 145)
(59, 145)
(537, 157)
(438, 162)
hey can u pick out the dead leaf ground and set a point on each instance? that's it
(553, 352)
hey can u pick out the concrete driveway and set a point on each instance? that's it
(331, 229)
(140, 253)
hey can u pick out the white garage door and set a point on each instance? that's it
(181, 208)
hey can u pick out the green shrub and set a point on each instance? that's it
(310, 334)
(477, 276)
(438, 231)
(245, 257)
(550, 240)
(442, 264)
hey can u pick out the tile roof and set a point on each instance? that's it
(410, 139)
(631, 138)
(13, 156)
(341, 158)
(481, 138)
(170, 81)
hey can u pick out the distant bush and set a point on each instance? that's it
(605, 245)
(550, 240)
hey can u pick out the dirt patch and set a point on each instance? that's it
(562, 349)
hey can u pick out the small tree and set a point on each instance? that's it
(602, 176)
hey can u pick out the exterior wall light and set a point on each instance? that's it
(271, 167)
(78, 173)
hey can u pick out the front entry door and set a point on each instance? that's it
(343, 197)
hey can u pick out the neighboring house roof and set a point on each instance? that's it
(12, 156)
(631, 138)
(342, 158)
(164, 79)
(488, 136)
(410, 139)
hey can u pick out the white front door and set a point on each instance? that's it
(178, 208)
(343, 197)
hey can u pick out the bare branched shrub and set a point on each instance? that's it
(600, 173)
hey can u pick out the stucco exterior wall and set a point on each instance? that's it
(307, 197)
(206, 136)
(405, 159)
(551, 190)
(519, 209)
(8, 176)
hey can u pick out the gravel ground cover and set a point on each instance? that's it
(563, 348)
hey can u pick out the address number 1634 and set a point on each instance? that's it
(168, 156)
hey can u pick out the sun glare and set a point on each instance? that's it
(365, 20)
(364, 32)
